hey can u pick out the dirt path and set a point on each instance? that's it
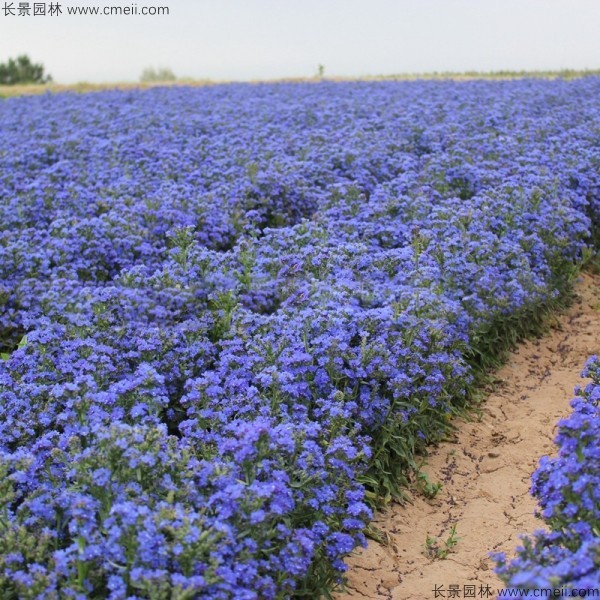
(485, 473)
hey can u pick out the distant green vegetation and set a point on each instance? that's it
(162, 75)
(559, 74)
(21, 70)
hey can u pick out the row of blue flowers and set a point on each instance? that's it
(566, 556)
(232, 316)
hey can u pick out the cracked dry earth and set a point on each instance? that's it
(485, 471)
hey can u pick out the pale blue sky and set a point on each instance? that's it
(260, 39)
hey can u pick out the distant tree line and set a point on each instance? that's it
(162, 75)
(21, 70)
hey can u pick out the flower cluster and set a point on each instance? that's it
(568, 491)
(230, 316)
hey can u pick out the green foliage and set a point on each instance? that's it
(438, 548)
(429, 489)
(21, 344)
(21, 70)
(591, 259)
(161, 75)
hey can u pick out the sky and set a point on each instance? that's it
(266, 39)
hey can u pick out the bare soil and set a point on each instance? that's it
(485, 472)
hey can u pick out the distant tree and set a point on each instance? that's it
(321, 71)
(151, 75)
(22, 70)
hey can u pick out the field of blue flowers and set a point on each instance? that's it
(231, 317)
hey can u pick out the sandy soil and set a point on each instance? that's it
(485, 472)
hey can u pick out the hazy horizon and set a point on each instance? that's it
(265, 39)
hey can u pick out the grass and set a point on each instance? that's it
(7, 91)
(439, 548)
(82, 87)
